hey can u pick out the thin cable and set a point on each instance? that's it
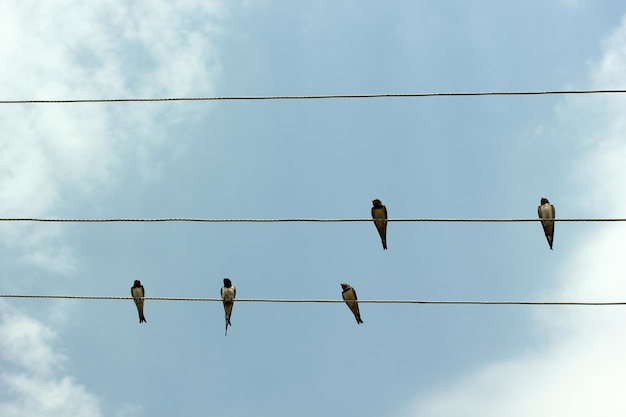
(275, 300)
(301, 220)
(318, 96)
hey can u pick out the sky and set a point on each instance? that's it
(439, 157)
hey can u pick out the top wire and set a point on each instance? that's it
(319, 96)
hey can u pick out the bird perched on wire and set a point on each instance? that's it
(228, 299)
(138, 294)
(546, 214)
(379, 214)
(349, 295)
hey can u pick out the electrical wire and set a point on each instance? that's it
(318, 96)
(302, 220)
(279, 300)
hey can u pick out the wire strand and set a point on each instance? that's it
(278, 300)
(318, 96)
(301, 220)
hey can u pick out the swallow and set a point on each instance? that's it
(349, 296)
(228, 298)
(379, 214)
(547, 214)
(138, 293)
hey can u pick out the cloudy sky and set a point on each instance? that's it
(423, 157)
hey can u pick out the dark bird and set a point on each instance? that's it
(349, 295)
(547, 214)
(138, 293)
(379, 214)
(228, 298)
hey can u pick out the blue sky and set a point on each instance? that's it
(423, 157)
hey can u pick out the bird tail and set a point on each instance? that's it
(549, 239)
(228, 309)
(227, 319)
(139, 304)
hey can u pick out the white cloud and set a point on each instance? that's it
(36, 396)
(33, 387)
(25, 341)
(580, 371)
(52, 154)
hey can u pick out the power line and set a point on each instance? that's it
(317, 96)
(301, 220)
(279, 300)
